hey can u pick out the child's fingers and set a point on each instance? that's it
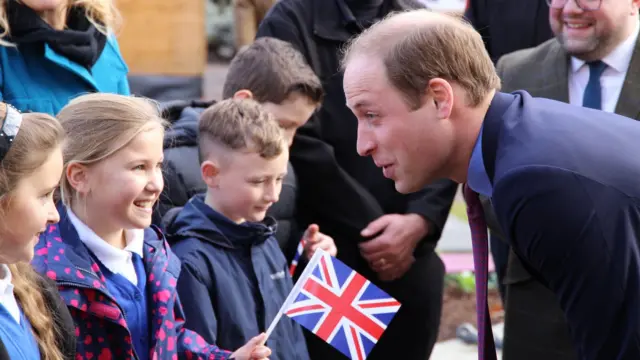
(311, 233)
(260, 353)
(333, 250)
(325, 243)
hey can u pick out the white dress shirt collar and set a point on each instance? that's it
(7, 296)
(116, 260)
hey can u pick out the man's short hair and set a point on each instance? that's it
(239, 125)
(272, 70)
(419, 45)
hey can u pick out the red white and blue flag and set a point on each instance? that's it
(296, 257)
(340, 306)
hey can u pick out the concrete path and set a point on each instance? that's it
(457, 350)
(456, 236)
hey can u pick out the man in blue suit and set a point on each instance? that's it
(564, 180)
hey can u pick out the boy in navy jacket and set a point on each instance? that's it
(235, 277)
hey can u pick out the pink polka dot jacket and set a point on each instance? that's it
(101, 329)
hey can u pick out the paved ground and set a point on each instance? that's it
(457, 350)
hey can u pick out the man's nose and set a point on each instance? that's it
(365, 144)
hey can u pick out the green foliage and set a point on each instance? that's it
(466, 281)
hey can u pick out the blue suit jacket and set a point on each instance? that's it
(566, 190)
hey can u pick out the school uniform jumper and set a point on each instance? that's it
(17, 341)
(234, 280)
(125, 315)
(15, 330)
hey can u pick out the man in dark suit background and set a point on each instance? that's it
(507, 26)
(563, 179)
(594, 61)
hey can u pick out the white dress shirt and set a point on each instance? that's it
(118, 261)
(7, 297)
(612, 78)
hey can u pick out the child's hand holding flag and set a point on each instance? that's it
(313, 239)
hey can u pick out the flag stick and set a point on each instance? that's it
(317, 255)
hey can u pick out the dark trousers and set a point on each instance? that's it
(500, 255)
(535, 327)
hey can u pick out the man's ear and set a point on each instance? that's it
(78, 176)
(243, 94)
(441, 93)
(210, 173)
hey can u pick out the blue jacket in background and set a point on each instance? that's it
(36, 78)
(234, 280)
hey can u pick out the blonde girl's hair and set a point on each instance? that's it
(103, 14)
(101, 124)
(38, 136)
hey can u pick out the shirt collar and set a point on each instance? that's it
(6, 286)
(619, 59)
(110, 256)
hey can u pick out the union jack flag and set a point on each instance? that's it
(296, 257)
(340, 306)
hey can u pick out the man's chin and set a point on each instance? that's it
(404, 187)
(580, 48)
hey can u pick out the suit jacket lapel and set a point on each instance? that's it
(628, 103)
(554, 79)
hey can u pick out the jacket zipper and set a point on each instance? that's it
(75, 284)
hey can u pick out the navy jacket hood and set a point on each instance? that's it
(183, 116)
(198, 220)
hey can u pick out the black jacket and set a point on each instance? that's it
(182, 176)
(344, 192)
(65, 328)
(507, 26)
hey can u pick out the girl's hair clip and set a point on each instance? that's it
(10, 127)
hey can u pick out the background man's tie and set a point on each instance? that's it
(480, 240)
(592, 97)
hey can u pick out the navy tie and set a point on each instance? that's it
(593, 92)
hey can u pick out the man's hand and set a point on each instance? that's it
(390, 252)
(254, 349)
(314, 239)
